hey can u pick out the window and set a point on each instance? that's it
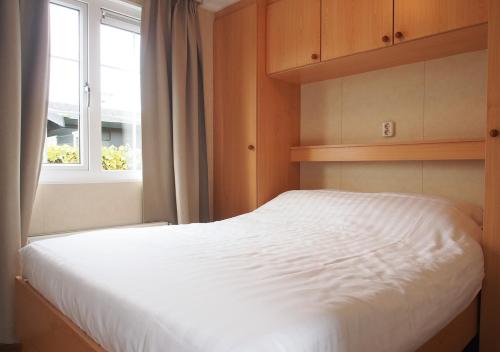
(67, 75)
(93, 120)
(120, 90)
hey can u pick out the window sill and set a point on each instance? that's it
(65, 176)
(39, 237)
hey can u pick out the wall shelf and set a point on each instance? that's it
(402, 151)
(440, 45)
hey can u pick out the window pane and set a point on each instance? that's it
(62, 145)
(120, 99)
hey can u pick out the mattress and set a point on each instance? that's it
(311, 271)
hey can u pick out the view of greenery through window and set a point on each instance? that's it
(119, 101)
(113, 158)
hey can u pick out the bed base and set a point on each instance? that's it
(455, 336)
(41, 327)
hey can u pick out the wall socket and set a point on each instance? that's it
(388, 128)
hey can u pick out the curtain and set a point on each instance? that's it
(24, 75)
(175, 176)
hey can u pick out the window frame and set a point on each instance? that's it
(89, 170)
(83, 125)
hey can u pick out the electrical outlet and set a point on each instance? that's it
(388, 129)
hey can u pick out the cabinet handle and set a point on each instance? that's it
(251, 147)
(399, 35)
(494, 133)
(386, 39)
(315, 56)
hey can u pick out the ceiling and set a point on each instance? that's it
(216, 5)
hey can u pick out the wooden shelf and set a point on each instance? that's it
(445, 44)
(404, 151)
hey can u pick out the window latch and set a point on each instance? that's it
(86, 89)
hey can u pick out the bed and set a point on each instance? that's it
(308, 271)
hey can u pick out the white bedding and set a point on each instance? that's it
(311, 271)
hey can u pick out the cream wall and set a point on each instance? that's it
(69, 207)
(438, 99)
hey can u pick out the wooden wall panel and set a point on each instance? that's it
(490, 301)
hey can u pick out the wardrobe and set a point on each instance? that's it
(256, 118)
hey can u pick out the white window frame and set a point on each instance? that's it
(89, 170)
(83, 125)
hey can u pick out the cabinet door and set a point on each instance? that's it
(416, 19)
(352, 26)
(293, 34)
(235, 115)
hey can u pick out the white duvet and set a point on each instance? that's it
(315, 271)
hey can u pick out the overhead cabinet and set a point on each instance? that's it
(352, 26)
(347, 27)
(417, 19)
(293, 33)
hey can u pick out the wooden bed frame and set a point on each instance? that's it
(43, 328)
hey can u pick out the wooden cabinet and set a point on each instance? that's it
(256, 118)
(302, 34)
(416, 19)
(293, 34)
(352, 26)
(235, 82)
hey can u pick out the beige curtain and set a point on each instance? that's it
(24, 75)
(174, 152)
